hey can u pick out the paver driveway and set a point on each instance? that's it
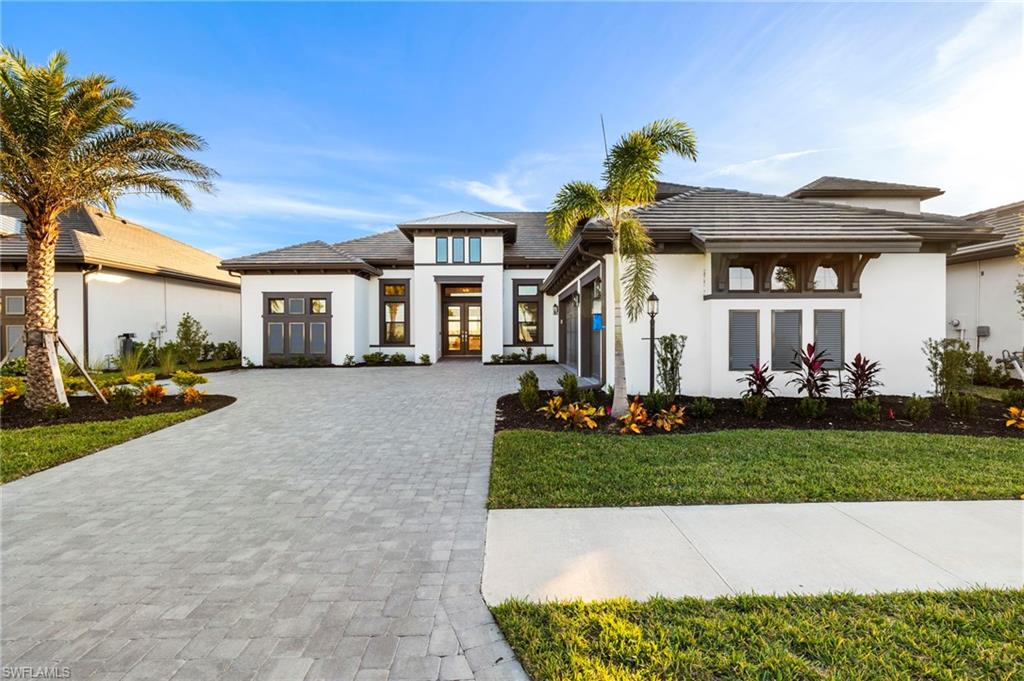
(329, 525)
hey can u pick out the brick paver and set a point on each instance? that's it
(329, 525)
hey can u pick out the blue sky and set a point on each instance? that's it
(329, 120)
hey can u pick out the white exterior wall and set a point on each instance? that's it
(983, 293)
(550, 320)
(130, 302)
(346, 329)
(372, 315)
(70, 320)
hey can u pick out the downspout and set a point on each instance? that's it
(85, 311)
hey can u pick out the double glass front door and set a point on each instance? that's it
(463, 328)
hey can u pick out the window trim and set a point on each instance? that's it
(479, 250)
(438, 256)
(754, 271)
(537, 298)
(800, 337)
(836, 267)
(757, 339)
(307, 319)
(404, 299)
(458, 257)
(842, 337)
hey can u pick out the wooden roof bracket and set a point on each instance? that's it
(858, 269)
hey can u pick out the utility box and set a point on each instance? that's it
(126, 343)
(984, 332)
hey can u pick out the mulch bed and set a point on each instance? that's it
(781, 413)
(87, 408)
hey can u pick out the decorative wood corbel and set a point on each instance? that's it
(768, 264)
(813, 262)
(858, 269)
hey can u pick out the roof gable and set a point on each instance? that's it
(832, 186)
(1007, 223)
(309, 255)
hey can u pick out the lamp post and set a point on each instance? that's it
(652, 311)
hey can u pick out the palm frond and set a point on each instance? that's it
(635, 246)
(634, 162)
(574, 202)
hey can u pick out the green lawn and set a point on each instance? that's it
(544, 469)
(962, 635)
(989, 392)
(30, 450)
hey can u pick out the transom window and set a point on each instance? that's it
(741, 278)
(826, 278)
(394, 312)
(461, 291)
(14, 305)
(318, 305)
(275, 305)
(296, 306)
(784, 278)
(527, 312)
(12, 323)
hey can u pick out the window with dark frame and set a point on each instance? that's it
(394, 312)
(743, 339)
(474, 249)
(275, 305)
(458, 249)
(829, 336)
(441, 249)
(742, 278)
(826, 278)
(297, 325)
(787, 330)
(527, 312)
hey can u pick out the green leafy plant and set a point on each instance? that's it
(191, 338)
(811, 408)
(755, 406)
(671, 418)
(949, 362)
(11, 389)
(74, 384)
(670, 359)
(656, 401)
(529, 390)
(986, 372)
(963, 406)
(553, 408)
(580, 416)
(14, 367)
(701, 408)
(54, 412)
(123, 397)
(540, 358)
(635, 420)
(570, 386)
(141, 380)
(227, 351)
(866, 409)
(350, 361)
(375, 358)
(130, 361)
(397, 358)
(167, 359)
(917, 409)
(187, 379)
(1014, 397)
(425, 358)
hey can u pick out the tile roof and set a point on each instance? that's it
(309, 255)
(1007, 223)
(91, 236)
(460, 218)
(390, 247)
(830, 185)
(532, 242)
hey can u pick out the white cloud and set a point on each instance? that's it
(242, 199)
(497, 193)
(768, 169)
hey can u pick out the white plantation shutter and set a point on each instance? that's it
(786, 338)
(742, 339)
(828, 336)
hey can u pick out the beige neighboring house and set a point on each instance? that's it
(981, 282)
(116, 277)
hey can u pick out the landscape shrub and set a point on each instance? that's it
(397, 358)
(187, 379)
(811, 408)
(866, 409)
(425, 358)
(702, 408)
(153, 393)
(11, 389)
(141, 379)
(949, 362)
(53, 412)
(191, 338)
(228, 351)
(122, 397)
(963, 406)
(636, 420)
(540, 358)
(579, 416)
(570, 386)
(552, 408)
(758, 380)
(1014, 397)
(375, 358)
(810, 375)
(14, 367)
(670, 358)
(1015, 417)
(350, 361)
(656, 400)
(755, 406)
(529, 390)
(167, 359)
(192, 395)
(917, 409)
(861, 377)
(130, 361)
(986, 372)
(671, 418)
(74, 384)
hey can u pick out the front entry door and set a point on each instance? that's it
(463, 328)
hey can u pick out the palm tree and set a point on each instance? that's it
(66, 143)
(630, 176)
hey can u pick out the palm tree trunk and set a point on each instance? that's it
(620, 402)
(40, 314)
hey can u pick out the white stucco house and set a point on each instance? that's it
(851, 265)
(116, 277)
(981, 279)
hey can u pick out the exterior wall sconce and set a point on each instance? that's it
(554, 309)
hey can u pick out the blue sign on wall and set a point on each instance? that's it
(598, 322)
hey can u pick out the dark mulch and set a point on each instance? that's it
(782, 413)
(87, 408)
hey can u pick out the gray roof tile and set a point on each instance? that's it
(1006, 221)
(830, 185)
(309, 254)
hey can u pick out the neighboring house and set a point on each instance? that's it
(115, 277)
(981, 279)
(746, 277)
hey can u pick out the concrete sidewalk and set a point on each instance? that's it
(595, 553)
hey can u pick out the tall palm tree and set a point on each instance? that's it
(631, 170)
(68, 142)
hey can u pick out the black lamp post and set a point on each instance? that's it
(652, 311)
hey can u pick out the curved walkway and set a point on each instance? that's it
(328, 525)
